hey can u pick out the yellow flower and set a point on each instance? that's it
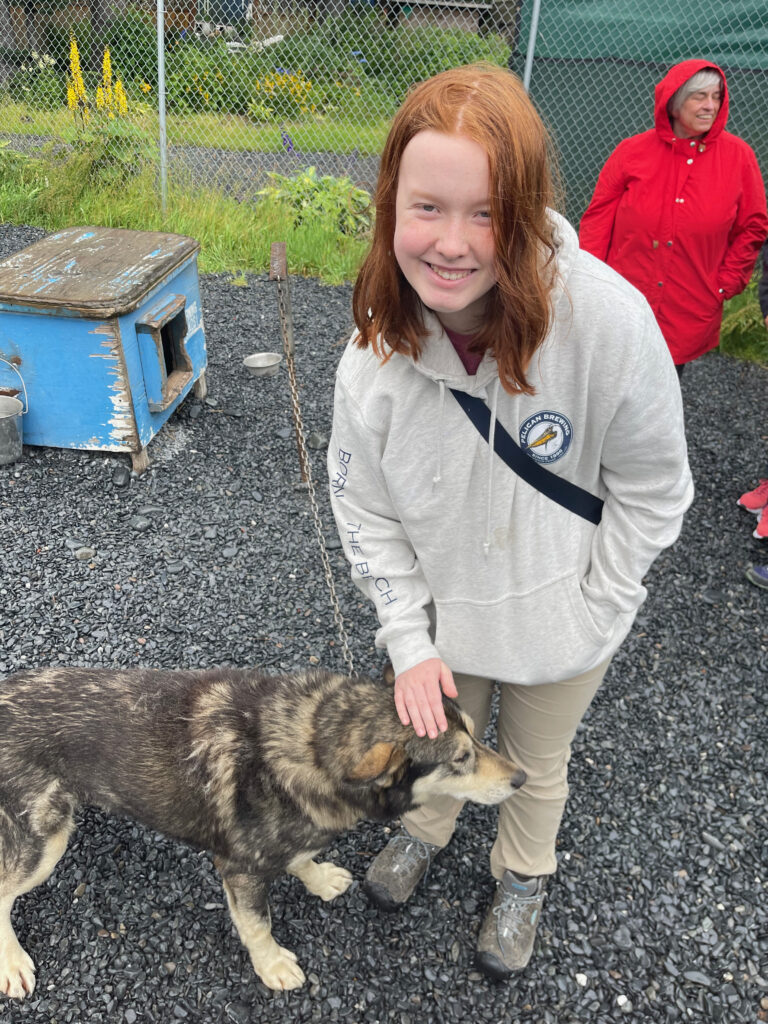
(120, 98)
(106, 70)
(71, 97)
(74, 57)
(145, 87)
(76, 72)
(100, 104)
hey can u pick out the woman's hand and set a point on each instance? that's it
(419, 696)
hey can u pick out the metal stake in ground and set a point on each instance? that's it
(278, 272)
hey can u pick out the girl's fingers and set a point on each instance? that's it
(419, 697)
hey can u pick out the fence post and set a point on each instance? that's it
(531, 45)
(161, 105)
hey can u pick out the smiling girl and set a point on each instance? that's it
(475, 293)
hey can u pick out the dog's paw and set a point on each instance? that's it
(282, 971)
(17, 972)
(331, 881)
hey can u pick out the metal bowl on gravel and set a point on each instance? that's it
(262, 364)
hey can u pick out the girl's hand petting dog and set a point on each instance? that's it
(419, 696)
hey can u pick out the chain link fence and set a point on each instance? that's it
(244, 87)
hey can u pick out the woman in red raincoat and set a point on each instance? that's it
(679, 210)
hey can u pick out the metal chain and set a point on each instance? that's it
(306, 471)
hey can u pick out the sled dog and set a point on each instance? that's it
(261, 770)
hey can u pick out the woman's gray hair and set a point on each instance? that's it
(703, 79)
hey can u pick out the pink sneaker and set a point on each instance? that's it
(755, 501)
(761, 530)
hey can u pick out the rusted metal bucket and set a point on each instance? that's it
(11, 431)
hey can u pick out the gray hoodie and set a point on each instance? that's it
(463, 559)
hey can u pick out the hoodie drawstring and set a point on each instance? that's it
(438, 471)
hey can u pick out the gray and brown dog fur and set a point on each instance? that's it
(261, 770)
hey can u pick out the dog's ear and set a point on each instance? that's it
(469, 724)
(382, 759)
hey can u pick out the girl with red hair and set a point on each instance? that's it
(486, 339)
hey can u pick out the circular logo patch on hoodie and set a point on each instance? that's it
(546, 436)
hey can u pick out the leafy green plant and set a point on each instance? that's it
(355, 47)
(326, 199)
(206, 77)
(131, 38)
(743, 333)
(107, 140)
(282, 94)
(37, 82)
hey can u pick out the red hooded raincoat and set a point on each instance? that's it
(680, 219)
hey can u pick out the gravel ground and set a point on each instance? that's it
(659, 910)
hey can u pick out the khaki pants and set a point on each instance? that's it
(535, 728)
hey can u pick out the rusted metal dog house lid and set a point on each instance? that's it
(96, 272)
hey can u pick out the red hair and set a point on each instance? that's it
(488, 105)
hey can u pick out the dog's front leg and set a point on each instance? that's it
(17, 969)
(325, 880)
(275, 965)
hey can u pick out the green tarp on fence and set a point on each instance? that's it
(596, 63)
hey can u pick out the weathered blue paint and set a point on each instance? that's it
(107, 352)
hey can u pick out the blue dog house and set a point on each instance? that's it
(104, 327)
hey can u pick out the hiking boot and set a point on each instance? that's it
(398, 869)
(758, 574)
(755, 501)
(506, 938)
(761, 530)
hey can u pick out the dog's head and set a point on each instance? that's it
(411, 769)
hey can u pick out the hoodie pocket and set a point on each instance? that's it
(544, 634)
(582, 612)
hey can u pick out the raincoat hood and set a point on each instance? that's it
(668, 86)
(681, 219)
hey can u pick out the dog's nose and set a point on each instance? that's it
(518, 779)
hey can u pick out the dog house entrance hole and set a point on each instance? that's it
(167, 327)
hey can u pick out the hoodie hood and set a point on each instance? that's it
(668, 86)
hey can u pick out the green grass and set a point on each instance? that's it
(230, 131)
(234, 236)
(237, 133)
(21, 119)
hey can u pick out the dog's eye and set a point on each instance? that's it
(462, 758)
